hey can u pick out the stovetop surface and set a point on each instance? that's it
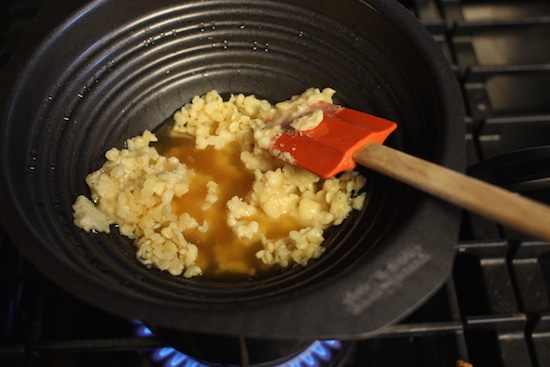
(493, 311)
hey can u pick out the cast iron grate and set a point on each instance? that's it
(495, 309)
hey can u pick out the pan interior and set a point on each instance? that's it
(125, 70)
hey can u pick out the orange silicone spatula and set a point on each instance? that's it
(346, 137)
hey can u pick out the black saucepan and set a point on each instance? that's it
(91, 74)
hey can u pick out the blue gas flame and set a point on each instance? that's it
(317, 354)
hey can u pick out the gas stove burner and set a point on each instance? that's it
(320, 353)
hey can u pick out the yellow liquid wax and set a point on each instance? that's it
(222, 256)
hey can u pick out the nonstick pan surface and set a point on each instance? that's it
(90, 75)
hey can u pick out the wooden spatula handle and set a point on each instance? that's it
(505, 207)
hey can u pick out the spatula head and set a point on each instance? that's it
(328, 149)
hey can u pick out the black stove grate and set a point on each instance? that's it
(495, 309)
